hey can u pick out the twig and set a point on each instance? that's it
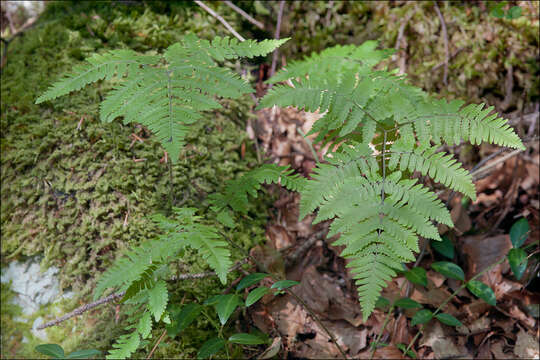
(475, 174)
(82, 309)
(454, 54)
(156, 345)
(258, 24)
(214, 14)
(276, 36)
(302, 249)
(330, 5)
(445, 38)
(114, 296)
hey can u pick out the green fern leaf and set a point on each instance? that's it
(158, 296)
(125, 346)
(144, 327)
(166, 93)
(237, 191)
(114, 63)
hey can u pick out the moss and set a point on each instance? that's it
(479, 37)
(80, 192)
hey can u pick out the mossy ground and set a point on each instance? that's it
(79, 194)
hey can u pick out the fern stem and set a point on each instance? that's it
(386, 321)
(310, 144)
(171, 186)
(463, 286)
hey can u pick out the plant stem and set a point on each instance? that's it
(386, 321)
(310, 144)
(452, 296)
(171, 187)
(156, 345)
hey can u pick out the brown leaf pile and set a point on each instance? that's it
(506, 192)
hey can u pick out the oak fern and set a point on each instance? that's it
(166, 93)
(387, 130)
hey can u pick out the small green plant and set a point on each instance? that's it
(497, 11)
(517, 258)
(225, 305)
(55, 351)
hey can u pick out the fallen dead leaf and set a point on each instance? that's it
(527, 346)
(443, 347)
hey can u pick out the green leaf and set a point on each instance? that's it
(246, 339)
(417, 275)
(497, 10)
(83, 354)
(210, 347)
(448, 319)
(52, 350)
(448, 269)
(517, 258)
(444, 247)
(251, 279)
(212, 301)
(404, 350)
(183, 319)
(514, 12)
(382, 302)
(226, 306)
(519, 232)
(421, 317)
(407, 303)
(225, 218)
(158, 297)
(284, 284)
(482, 291)
(255, 295)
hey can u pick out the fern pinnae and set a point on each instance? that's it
(380, 224)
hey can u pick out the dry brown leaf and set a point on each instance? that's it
(436, 278)
(443, 347)
(482, 252)
(527, 346)
(279, 236)
(462, 221)
(497, 351)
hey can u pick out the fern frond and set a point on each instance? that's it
(334, 60)
(452, 122)
(328, 179)
(440, 167)
(125, 346)
(99, 66)
(166, 96)
(236, 191)
(419, 198)
(144, 326)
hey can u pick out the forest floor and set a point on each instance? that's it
(487, 59)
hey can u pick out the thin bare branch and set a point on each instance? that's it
(258, 24)
(276, 36)
(117, 295)
(445, 38)
(222, 20)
